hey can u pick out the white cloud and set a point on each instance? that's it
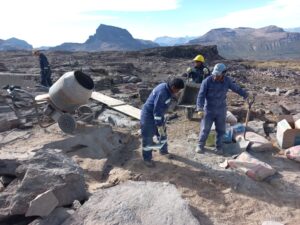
(56, 21)
(282, 13)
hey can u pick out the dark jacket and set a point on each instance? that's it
(44, 64)
(198, 74)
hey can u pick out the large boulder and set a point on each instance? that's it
(47, 170)
(135, 203)
(57, 217)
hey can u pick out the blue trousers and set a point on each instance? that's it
(149, 130)
(46, 78)
(219, 118)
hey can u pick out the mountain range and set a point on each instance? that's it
(269, 42)
(265, 43)
(108, 38)
(171, 41)
(14, 44)
(295, 29)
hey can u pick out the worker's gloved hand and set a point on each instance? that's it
(205, 71)
(250, 98)
(189, 69)
(200, 113)
(161, 131)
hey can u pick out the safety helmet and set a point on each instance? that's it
(199, 58)
(219, 68)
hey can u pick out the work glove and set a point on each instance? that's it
(161, 131)
(205, 71)
(200, 113)
(250, 98)
(189, 69)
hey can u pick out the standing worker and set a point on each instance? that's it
(45, 69)
(211, 105)
(199, 72)
(152, 117)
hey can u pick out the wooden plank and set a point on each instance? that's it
(129, 110)
(42, 97)
(117, 105)
(109, 101)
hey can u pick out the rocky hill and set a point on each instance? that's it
(248, 43)
(14, 44)
(108, 38)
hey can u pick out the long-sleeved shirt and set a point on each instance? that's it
(212, 94)
(158, 103)
(44, 64)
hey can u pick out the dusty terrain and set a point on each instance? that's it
(215, 195)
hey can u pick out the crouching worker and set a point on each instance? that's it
(211, 105)
(152, 117)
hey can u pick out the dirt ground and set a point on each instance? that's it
(215, 195)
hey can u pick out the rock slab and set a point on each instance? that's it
(135, 203)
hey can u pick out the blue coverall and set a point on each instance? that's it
(212, 98)
(45, 71)
(152, 116)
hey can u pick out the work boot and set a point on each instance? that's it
(199, 149)
(219, 151)
(149, 163)
(168, 155)
(164, 152)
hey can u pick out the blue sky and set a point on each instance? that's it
(58, 21)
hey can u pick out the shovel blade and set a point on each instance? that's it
(158, 146)
(242, 142)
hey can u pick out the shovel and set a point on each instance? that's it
(159, 145)
(241, 139)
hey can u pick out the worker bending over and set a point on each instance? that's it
(152, 117)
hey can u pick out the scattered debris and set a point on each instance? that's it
(251, 166)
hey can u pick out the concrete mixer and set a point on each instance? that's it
(66, 101)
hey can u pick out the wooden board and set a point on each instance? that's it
(117, 105)
(43, 97)
(109, 101)
(129, 110)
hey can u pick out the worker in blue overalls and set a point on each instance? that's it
(212, 107)
(152, 117)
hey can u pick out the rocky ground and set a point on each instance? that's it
(106, 154)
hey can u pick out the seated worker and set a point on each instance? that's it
(199, 72)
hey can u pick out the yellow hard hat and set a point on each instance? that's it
(199, 58)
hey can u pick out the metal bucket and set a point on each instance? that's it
(71, 90)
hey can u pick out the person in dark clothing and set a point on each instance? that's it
(45, 69)
(152, 117)
(199, 72)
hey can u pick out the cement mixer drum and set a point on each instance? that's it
(71, 90)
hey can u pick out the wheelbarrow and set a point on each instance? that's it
(188, 99)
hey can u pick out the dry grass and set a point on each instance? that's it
(291, 64)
